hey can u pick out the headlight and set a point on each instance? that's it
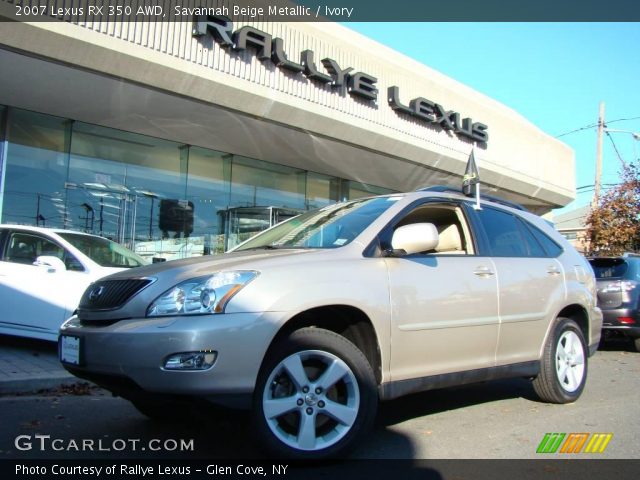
(208, 294)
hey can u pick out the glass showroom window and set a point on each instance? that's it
(3, 122)
(35, 169)
(322, 190)
(208, 189)
(3, 111)
(258, 183)
(358, 190)
(262, 194)
(131, 189)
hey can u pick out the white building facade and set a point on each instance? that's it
(183, 138)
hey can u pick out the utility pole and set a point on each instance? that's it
(596, 191)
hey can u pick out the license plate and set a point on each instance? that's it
(70, 349)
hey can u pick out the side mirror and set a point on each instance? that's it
(415, 238)
(53, 264)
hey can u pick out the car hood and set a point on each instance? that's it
(248, 259)
(166, 275)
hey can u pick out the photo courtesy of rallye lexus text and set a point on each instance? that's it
(314, 321)
(97, 470)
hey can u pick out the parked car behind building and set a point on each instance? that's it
(618, 281)
(315, 320)
(43, 273)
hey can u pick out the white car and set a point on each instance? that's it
(43, 273)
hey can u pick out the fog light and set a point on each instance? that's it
(202, 360)
(626, 320)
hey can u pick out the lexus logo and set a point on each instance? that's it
(94, 295)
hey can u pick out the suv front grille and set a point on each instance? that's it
(111, 294)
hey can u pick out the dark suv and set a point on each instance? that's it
(619, 294)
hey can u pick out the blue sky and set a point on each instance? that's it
(555, 74)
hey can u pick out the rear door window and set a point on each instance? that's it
(503, 233)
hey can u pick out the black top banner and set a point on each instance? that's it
(323, 10)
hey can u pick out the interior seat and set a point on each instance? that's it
(449, 241)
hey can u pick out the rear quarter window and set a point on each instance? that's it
(550, 246)
(532, 244)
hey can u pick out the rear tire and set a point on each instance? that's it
(563, 368)
(316, 396)
(636, 341)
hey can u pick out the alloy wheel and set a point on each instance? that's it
(311, 400)
(570, 361)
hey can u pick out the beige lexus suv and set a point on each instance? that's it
(313, 322)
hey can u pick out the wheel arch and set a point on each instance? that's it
(575, 312)
(345, 320)
(578, 314)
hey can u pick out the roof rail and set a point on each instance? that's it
(491, 198)
(439, 188)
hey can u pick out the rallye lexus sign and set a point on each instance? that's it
(358, 84)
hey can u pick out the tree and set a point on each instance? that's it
(613, 226)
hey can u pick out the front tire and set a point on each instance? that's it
(563, 368)
(315, 396)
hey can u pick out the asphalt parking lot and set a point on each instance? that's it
(505, 420)
(492, 420)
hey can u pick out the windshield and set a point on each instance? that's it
(330, 227)
(104, 252)
(608, 267)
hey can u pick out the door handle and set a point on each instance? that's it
(553, 270)
(483, 272)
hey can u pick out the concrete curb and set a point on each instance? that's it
(29, 365)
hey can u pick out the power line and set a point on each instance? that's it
(587, 127)
(604, 184)
(616, 149)
(589, 188)
(623, 119)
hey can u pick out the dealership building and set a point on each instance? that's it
(183, 138)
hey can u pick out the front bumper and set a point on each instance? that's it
(130, 354)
